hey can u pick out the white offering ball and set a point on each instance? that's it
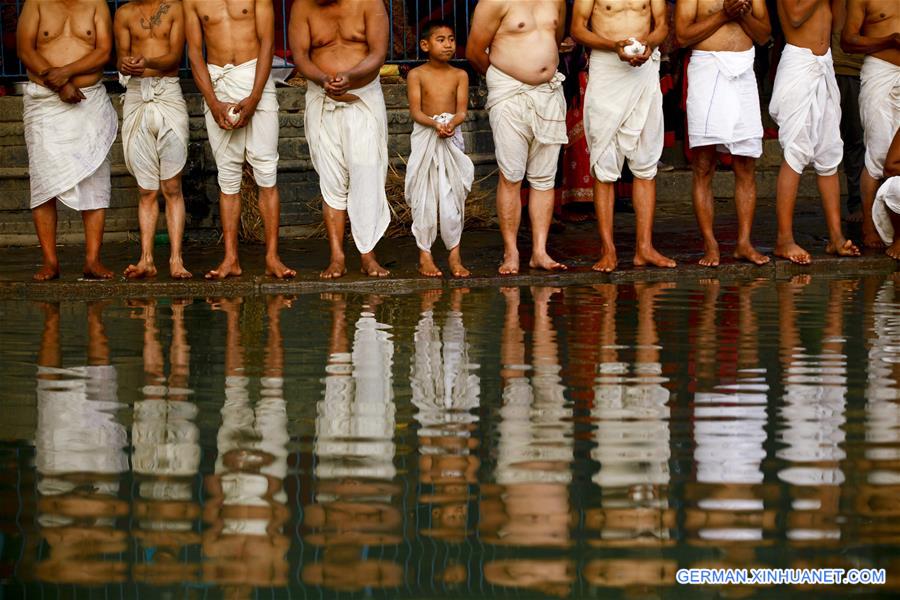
(233, 115)
(635, 48)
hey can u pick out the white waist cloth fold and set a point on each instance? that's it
(154, 129)
(348, 149)
(68, 146)
(879, 110)
(723, 100)
(887, 201)
(439, 177)
(547, 116)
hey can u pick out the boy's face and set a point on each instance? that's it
(440, 45)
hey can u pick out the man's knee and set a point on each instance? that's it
(171, 188)
(743, 166)
(148, 196)
(703, 162)
(511, 180)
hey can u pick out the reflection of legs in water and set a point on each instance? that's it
(49, 354)
(647, 351)
(748, 330)
(553, 577)
(98, 343)
(706, 343)
(274, 358)
(512, 340)
(545, 351)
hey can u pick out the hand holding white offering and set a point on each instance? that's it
(233, 114)
(635, 48)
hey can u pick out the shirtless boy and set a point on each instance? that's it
(873, 28)
(339, 46)
(527, 111)
(723, 108)
(886, 210)
(623, 115)
(806, 105)
(70, 124)
(241, 111)
(439, 174)
(149, 45)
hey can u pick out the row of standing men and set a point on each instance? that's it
(339, 48)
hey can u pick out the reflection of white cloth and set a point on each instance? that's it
(68, 146)
(806, 104)
(623, 116)
(529, 126)
(154, 129)
(723, 102)
(257, 142)
(439, 176)
(879, 110)
(355, 420)
(887, 201)
(882, 394)
(166, 441)
(729, 431)
(348, 149)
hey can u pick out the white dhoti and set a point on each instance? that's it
(623, 116)
(723, 102)
(879, 110)
(68, 146)
(348, 148)
(529, 127)
(887, 201)
(154, 129)
(439, 177)
(257, 142)
(806, 105)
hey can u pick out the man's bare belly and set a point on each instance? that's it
(620, 24)
(231, 43)
(339, 57)
(153, 48)
(530, 57)
(729, 38)
(882, 29)
(814, 34)
(66, 50)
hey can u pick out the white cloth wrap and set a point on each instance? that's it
(806, 105)
(529, 127)
(887, 201)
(348, 149)
(623, 116)
(723, 102)
(68, 146)
(879, 110)
(439, 177)
(257, 142)
(154, 129)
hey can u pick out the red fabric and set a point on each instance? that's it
(577, 183)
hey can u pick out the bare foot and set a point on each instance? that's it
(177, 270)
(711, 256)
(872, 240)
(228, 268)
(546, 263)
(456, 266)
(371, 267)
(510, 264)
(275, 268)
(607, 263)
(894, 250)
(142, 270)
(750, 254)
(649, 256)
(848, 248)
(427, 266)
(47, 272)
(335, 269)
(793, 253)
(96, 270)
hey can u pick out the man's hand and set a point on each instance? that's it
(567, 45)
(56, 78)
(620, 50)
(445, 130)
(219, 112)
(338, 85)
(245, 109)
(134, 65)
(70, 94)
(643, 57)
(734, 9)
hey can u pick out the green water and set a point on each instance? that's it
(525, 442)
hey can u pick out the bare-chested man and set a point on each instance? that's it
(70, 124)
(241, 111)
(149, 46)
(723, 108)
(623, 115)
(873, 28)
(339, 46)
(527, 112)
(806, 105)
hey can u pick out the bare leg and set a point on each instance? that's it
(509, 213)
(230, 213)
(830, 190)
(540, 210)
(171, 189)
(427, 266)
(148, 213)
(785, 199)
(745, 205)
(644, 207)
(335, 221)
(703, 166)
(270, 209)
(604, 198)
(44, 217)
(94, 221)
(456, 265)
(868, 187)
(894, 249)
